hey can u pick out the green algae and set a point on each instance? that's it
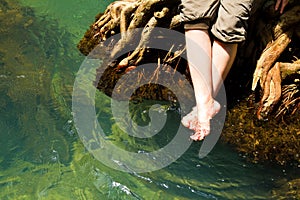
(45, 181)
(61, 103)
(287, 190)
(138, 122)
(28, 67)
(272, 141)
(83, 178)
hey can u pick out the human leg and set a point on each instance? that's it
(223, 56)
(200, 64)
(230, 27)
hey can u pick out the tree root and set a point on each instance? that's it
(272, 89)
(136, 20)
(147, 16)
(272, 92)
(270, 72)
(137, 55)
(126, 17)
(269, 57)
(105, 25)
(288, 69)
(290, 100)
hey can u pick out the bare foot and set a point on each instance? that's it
(202, 130)
(199, 121)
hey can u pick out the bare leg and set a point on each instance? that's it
(199, 56)
(223, 55)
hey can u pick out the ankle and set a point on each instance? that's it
(208, 100)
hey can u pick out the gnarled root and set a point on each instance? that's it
(272, 92)
(128, 17)
(288, 69)
(269, 57)
(137, 55)
(107, 24)
(290, 100)
(145, 16)
(271, 73)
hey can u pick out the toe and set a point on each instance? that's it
(185, 121)
(196, 137)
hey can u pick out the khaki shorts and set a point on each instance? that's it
(226, 19)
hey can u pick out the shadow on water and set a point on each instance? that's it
(41, 156)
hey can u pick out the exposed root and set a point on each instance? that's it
(137, 55)
(269, 57)
(110, 20)
(269, 71)
(141, 17)
(126, 15)
(290, 100)
(272, 92)
(288, 69)
(175, 22)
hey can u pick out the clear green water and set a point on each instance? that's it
(41, 155)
